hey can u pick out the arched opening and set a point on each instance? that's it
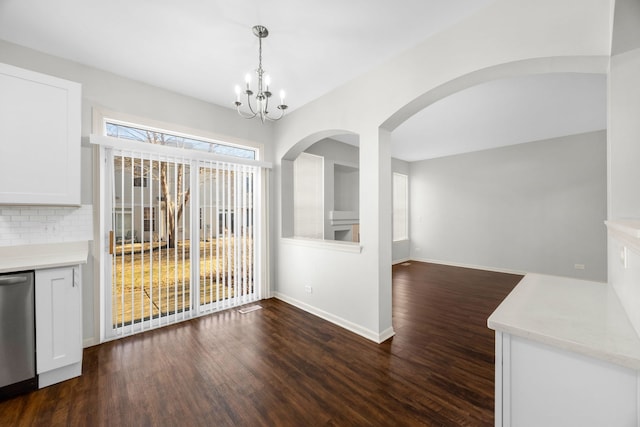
(313, 273)
(321, 188)
(512, 205)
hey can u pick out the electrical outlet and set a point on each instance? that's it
(578, 266)
(308, 289)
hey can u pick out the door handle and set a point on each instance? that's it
(12, 280)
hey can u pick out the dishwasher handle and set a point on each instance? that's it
(13, 280)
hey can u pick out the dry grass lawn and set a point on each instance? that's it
(151, 280)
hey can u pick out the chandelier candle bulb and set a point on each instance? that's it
(267, 82)
(247, 79)
(237, 93)
(282, 94)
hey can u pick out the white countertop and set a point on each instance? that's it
(49, 255)
(630, 227)
(576, 315)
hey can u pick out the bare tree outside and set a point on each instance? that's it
(173, 207)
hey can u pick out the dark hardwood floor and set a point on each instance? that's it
(280, 366)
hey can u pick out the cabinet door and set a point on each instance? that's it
(551, 387)
(39, 138)
(58, 318)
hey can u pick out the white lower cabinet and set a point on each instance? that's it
(540, 385)
(58, 324)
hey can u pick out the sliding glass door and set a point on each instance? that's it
(184, 238)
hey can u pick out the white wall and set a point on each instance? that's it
(509, 37)
(535, 207)
(624, 130)
(626, 28)
(108, 91)
(624, 152)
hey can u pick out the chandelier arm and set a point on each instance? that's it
(275, 119)
(245, 115)
(255, 113)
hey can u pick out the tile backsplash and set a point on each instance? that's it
(25, 225)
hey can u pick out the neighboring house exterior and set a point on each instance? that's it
(140, 209)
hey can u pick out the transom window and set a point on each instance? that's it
(120, 130)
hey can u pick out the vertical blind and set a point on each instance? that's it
(227, 217)
(187, 238)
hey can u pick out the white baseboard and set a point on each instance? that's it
(89, 342)
(385, 335)
(350, 326)
(55, 376)
(400, 261)
(475, 267)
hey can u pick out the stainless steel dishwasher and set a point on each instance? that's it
(17, 334)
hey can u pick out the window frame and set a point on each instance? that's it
(100, 116)
(149, 219)
(405, 202)
(104, 145)
(184, 136)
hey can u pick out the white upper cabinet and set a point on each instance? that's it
(39, 138)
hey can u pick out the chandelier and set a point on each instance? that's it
(260, 107)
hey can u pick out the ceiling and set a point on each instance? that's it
(203, 48)
(504, 112)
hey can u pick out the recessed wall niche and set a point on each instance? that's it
(344, 218)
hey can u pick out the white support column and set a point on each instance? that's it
(375, 225)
